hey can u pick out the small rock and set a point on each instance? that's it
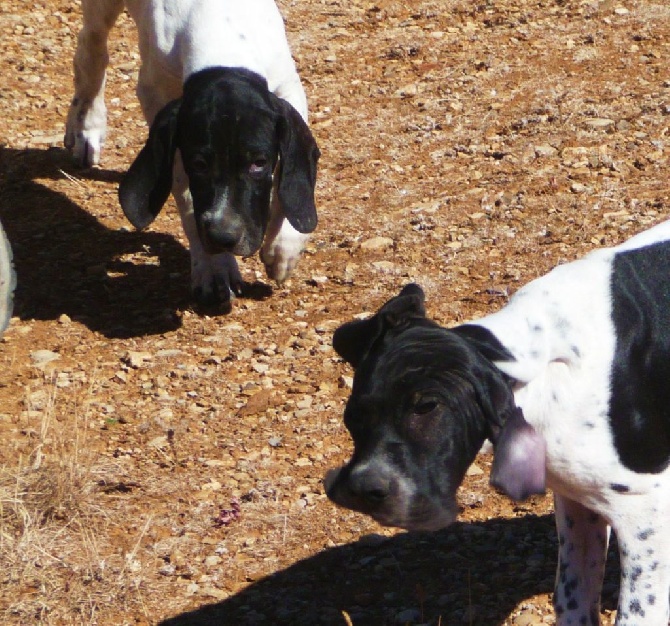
(377, 243)
(528, 619)
(372, 540)
(599, 122)
(579, 188)
(41, 358)
(169, 353)
(158, 442)
(545, 150)
(260, 368)
(347, 382)
(474, 470)
(212, 561)
(136, 359)
(407, 91)
(192, 589)
(408, 616)
(384, 266)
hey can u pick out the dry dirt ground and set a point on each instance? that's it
(162, 465)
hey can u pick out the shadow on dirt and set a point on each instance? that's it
(472, 573)
(120, 283)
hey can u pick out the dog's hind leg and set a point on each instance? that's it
(582, 537)
(644, 549)
(87, 118)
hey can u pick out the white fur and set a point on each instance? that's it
(176, 39)
(560, 332)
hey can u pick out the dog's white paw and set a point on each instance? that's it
(281, 254)
(85, 131)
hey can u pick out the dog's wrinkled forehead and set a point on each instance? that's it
(229, 106)
(411, 358)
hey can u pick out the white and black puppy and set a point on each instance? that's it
(570, 381)
(228, 136)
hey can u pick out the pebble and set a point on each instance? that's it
(377, 243)
(474, 470)
(528, 619)
(599, 122)
(545, 150)
(408, 615)
(41, 358)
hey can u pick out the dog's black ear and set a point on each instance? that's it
(297, 168)
(353, 340)
(407, 305)
(147, 184)
(493, 387)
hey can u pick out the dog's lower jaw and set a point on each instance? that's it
(403, 510)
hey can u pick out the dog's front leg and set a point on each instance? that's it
(644, 549)
(215, 278)
(283, 244)
(87, 118)
(582, 537)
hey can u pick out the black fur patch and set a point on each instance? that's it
(639, 408)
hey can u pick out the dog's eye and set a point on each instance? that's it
(425, 406)
(199, 165)
(258, 166)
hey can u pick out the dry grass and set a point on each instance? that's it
(50, 518)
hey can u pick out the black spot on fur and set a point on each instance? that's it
(636, 608)
(619, 488)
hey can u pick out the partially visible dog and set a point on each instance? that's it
(7, 281)
(228, 136)
(571, 383)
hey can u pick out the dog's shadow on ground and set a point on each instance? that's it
(470, 573)
(121, 283)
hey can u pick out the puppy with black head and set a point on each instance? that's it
(228, 131)
(570, 383)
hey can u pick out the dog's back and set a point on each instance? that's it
(180, 37)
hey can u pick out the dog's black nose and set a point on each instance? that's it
(372, 487)
(221, 240)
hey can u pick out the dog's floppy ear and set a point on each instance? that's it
(147, 184)
(353, 340)
(297, 168)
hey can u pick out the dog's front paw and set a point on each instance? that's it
(215, 280)
(281, 255)
(85, 132)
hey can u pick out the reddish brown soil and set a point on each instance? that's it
(168, 464)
